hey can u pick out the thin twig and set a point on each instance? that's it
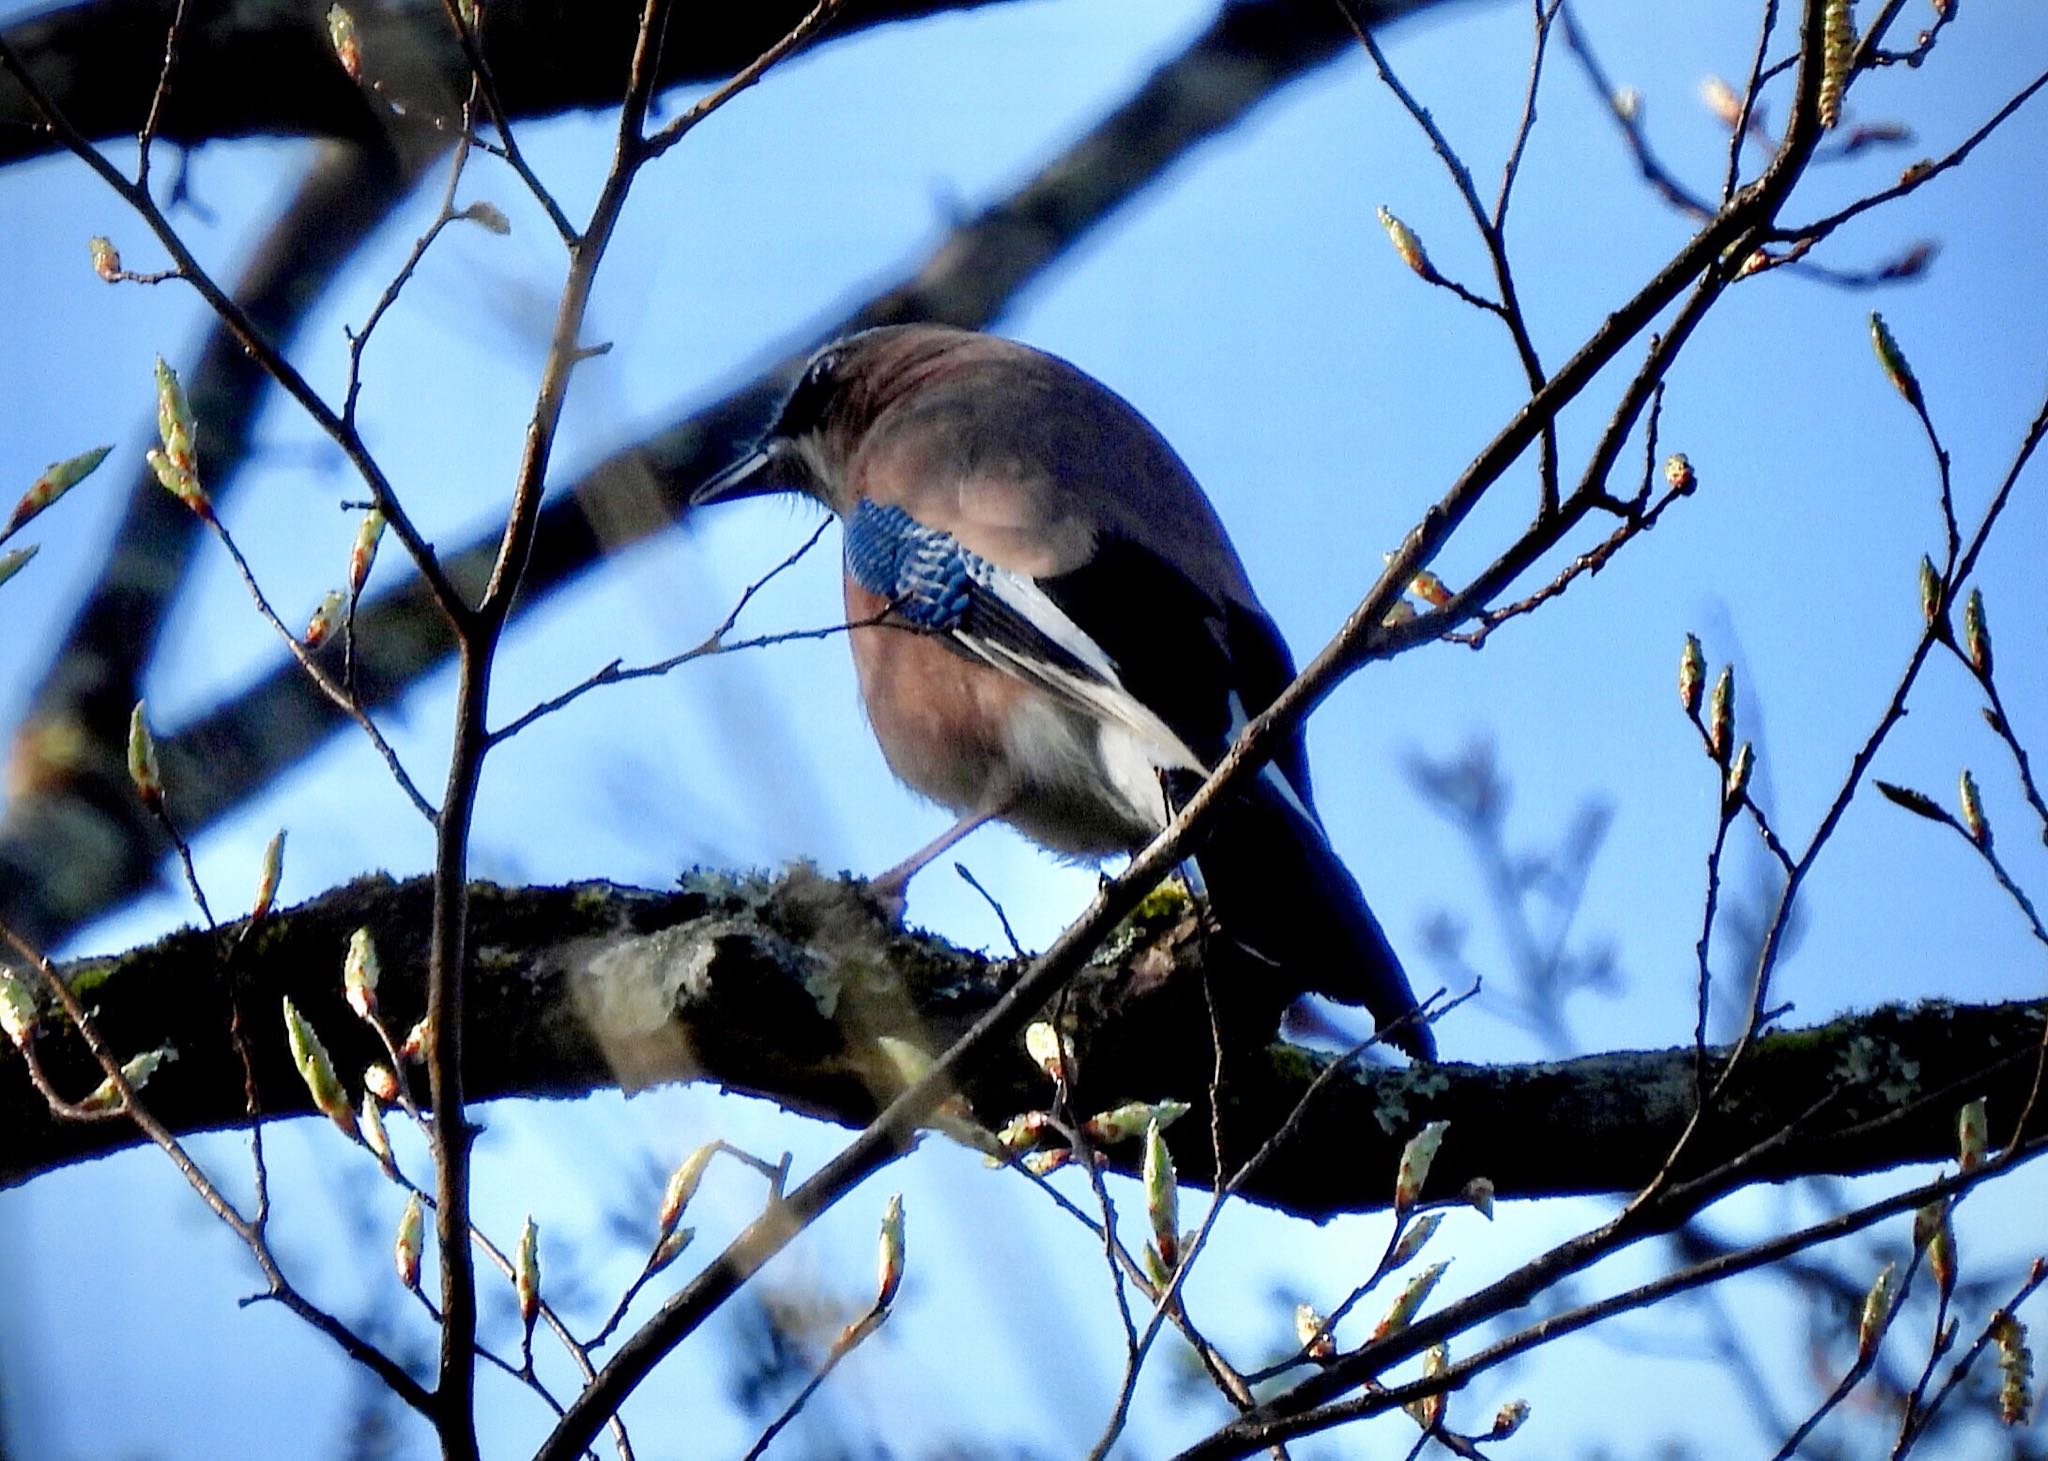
(1915, 1427)
(1750, 94)
(844, 1344)
(359, 340)
(508, 146)
(1509, 309)
(336, 694)
(802, 34)
(244, 329)
(145, 137)
(1914, 178)
(386, 1369)
(713, 643)
(1545, 17)
(1273, 1422)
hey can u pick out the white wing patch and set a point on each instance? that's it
(1271, 773)
(1102, 694)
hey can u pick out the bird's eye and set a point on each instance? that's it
(821, 370)
(807, 404)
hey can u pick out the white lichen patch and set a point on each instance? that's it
(626, 997)
(1877, 1063)
(1396, 1088)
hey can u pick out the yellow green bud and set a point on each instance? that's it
(106, 259)
(1973, 811)
(1047, 1050)
(1893, 359)
(1411, 1298)
(136, 1070)
(1121, 1123)
(321, 625)
(1508, 1419)
(57, 479)
(1428, 1412)
(175, 425)
(1414, 1238)
(267, 878)
(17, 1008)
(1738, 776)
(316, 1069)
(180, 483)
(682, 1186)
(1721, 715)
(1407, 245)
(15, 559)
(341, 34)
(371, 1120)
(359, 974)
(142, 767)
(889, 1253)
(1973, 1135)
(1936, 1235)
(669, 1248)
(1877, 1312)
(1416, 1158)
(405, 1250)
(363, 552)
(1162, 1197)
(526, 1273)
(1976, 634)
(1312, 1334)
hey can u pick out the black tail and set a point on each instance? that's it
(1278, 888)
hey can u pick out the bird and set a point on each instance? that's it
(1051, 628)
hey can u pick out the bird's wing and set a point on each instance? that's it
(1104, 575)
(1001, 616)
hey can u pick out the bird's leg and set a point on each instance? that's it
(891, 889)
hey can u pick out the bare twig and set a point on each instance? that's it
(1289, 1417)
(1490, 227)
(388, 1370)
(844, 1344)
(713, 643)
(147, 135)
(229, 311)
(1915, 1423)
(486, 85)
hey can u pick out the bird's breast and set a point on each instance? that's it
(975, 739)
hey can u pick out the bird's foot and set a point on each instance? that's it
(891, 890)
(890, 893)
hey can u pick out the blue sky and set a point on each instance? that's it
(1251, 307)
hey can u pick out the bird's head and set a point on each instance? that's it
(845, 389)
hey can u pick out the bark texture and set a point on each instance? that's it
(783, 988)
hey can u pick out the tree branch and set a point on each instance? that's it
(780, 988)
(256, 68)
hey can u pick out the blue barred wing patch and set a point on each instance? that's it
(999, 616)
(926, 573)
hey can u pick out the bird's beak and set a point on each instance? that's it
(759, 472)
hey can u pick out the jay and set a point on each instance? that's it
(1053, 630)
